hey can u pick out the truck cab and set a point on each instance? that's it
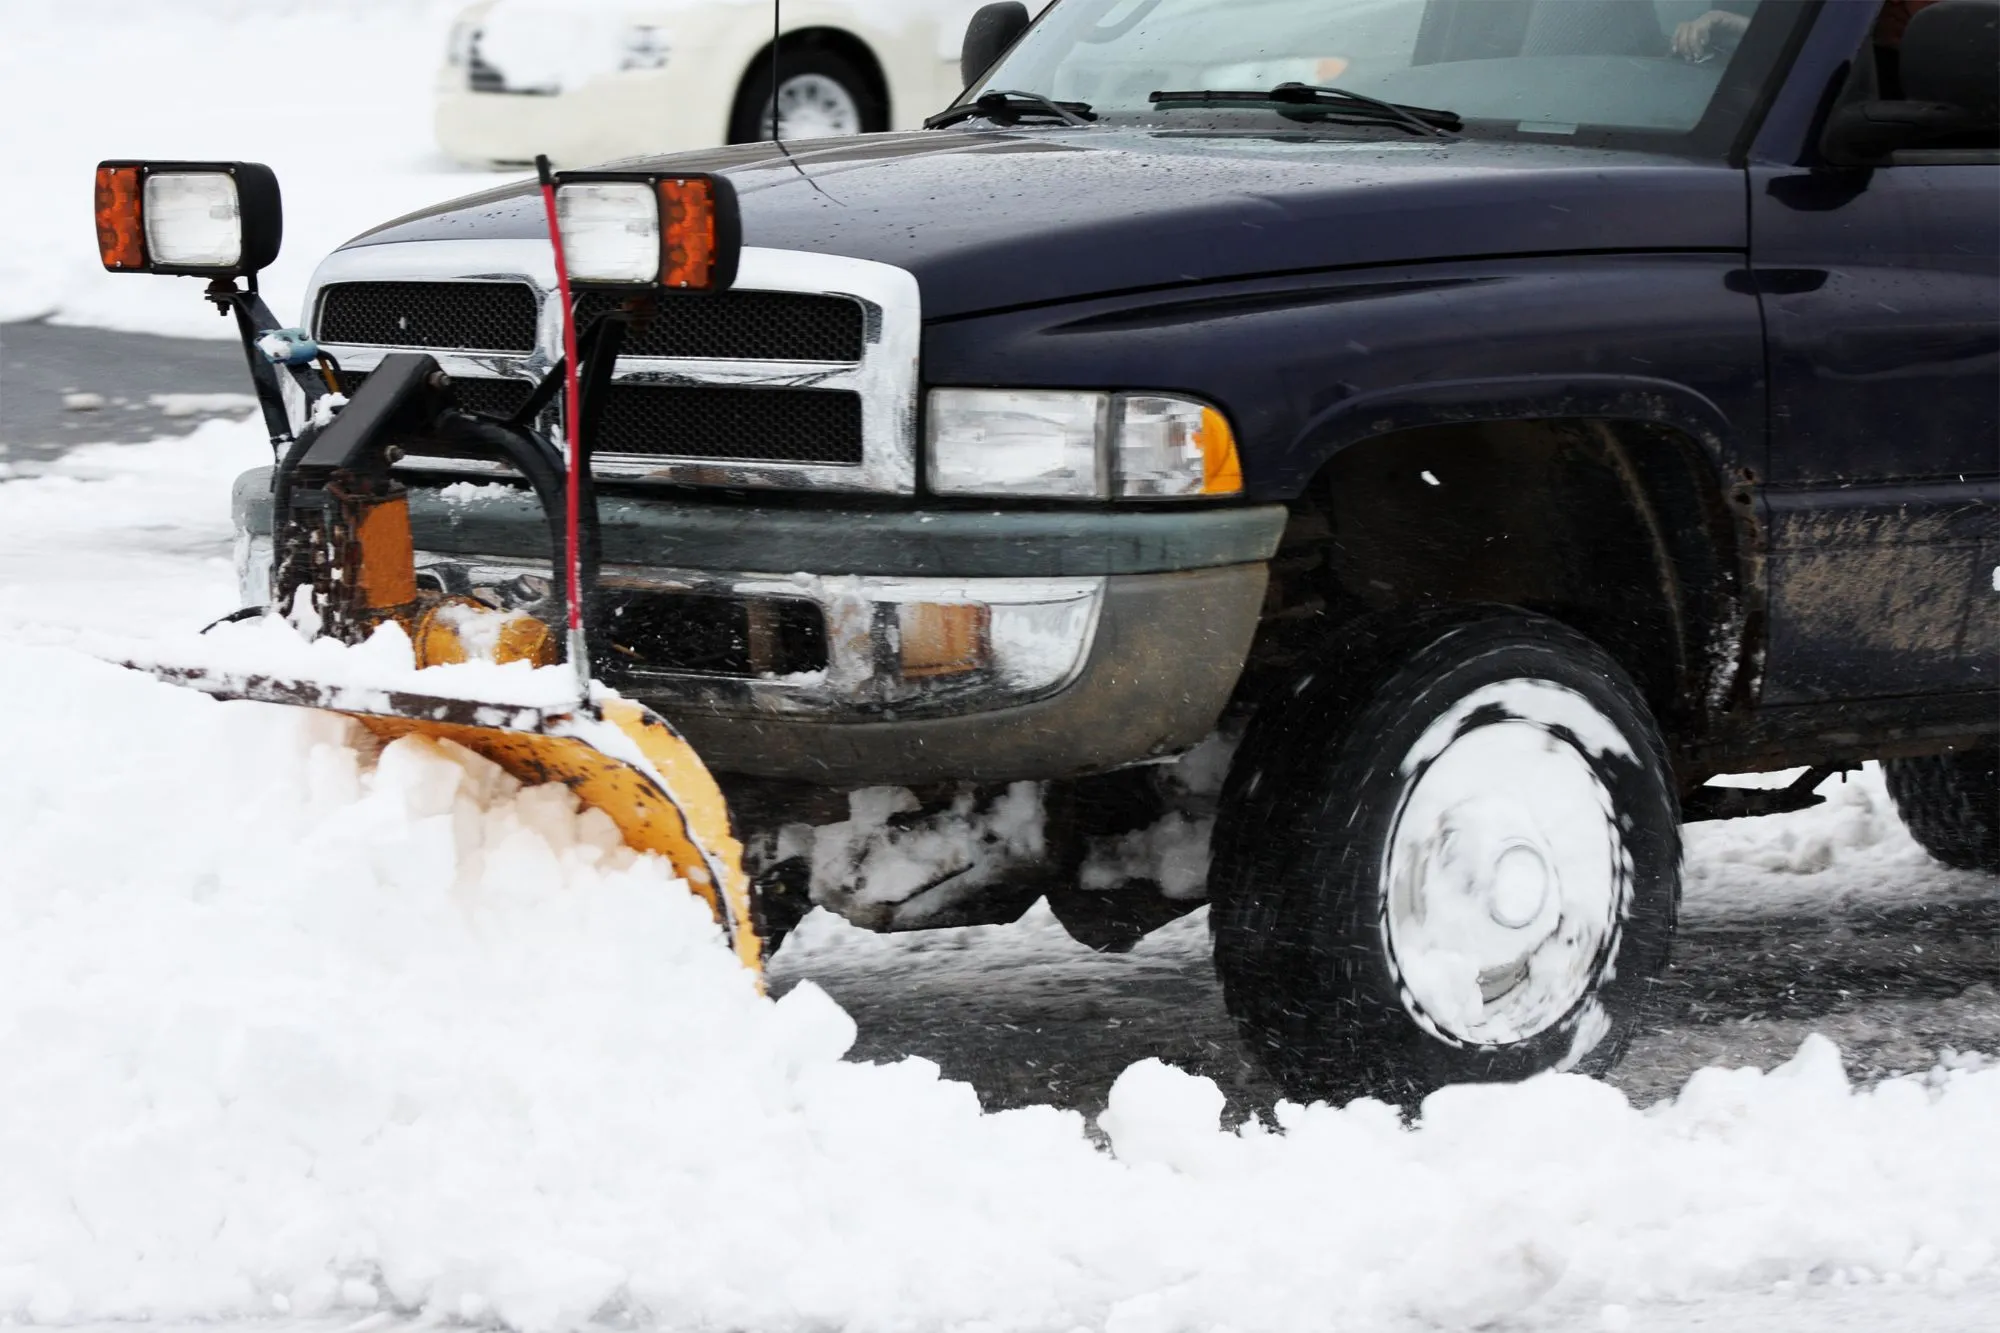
(1388, 454)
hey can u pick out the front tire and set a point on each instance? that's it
(1456, 858)
(1951, 805)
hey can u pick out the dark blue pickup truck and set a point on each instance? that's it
(1492, 418)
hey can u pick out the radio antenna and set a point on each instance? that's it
(777, 137)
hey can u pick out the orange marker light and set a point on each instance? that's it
(1221, 469)
(687, 234)
(943, 639)
(121, 236)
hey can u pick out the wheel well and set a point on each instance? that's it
(1619, 529)
(838, 40)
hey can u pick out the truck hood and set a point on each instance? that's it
(1000, 219)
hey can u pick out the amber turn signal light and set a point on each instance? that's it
(688, 239)
(120, 242)
(1221, 468)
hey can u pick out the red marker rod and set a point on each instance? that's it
(579, 654)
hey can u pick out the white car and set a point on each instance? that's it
(590, 80)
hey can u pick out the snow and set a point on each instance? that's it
(322, 1029)
(334, 96)
(202, 404)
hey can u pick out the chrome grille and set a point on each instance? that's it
(468, 316)
(804, 376)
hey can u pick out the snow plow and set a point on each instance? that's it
(344, 561)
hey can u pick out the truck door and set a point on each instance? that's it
(1881, 297)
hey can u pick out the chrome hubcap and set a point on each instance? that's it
(1506, 871)
(812, 106)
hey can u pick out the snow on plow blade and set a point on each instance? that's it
(616, 755)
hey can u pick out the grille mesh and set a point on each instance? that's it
(494, 398)
(741, 326)
(465, 316)
(732, 425)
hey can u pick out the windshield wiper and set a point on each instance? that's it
(1010, 104)
(1421, 119)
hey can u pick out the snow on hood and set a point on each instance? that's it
(293, 1027)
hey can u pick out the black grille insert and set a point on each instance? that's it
(742, 326)
(494, 398)
(464, 316)
(732, 425)
(707, 634)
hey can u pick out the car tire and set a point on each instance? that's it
(1452, 853)
(825, 79)
(1951, 805)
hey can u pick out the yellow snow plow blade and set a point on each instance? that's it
(617, 756)
(670, 807)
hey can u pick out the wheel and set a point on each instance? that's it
(820, 94)
(1452, 854)
(1951, 803)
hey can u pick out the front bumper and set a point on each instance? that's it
(1113, 638)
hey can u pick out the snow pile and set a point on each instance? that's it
(288, 1030)
(1173, 851)
(893, 863)
(1852, 849)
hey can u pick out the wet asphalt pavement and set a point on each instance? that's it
(42, 365)
(1893, 986)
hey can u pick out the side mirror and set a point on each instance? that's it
(1950, 72)
(1951, 54)
(992, 30)
(201, 219)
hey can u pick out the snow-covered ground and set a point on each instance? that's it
(293, 1035)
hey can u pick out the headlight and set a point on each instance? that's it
(193, 218)
(611, 231)
(1079, 445)
(645, 47)
(1018, 442)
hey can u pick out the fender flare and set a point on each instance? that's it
(1636, 398)
(1735, 628)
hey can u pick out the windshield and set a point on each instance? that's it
(1594, 69)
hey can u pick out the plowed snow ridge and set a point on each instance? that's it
(288, 1029)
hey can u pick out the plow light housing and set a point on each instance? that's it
(203, 219)
(634, 231)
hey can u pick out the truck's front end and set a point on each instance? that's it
(822, 568)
